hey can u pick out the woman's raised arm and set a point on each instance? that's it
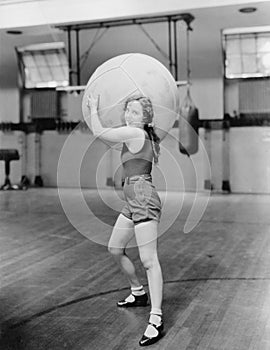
(120, 134)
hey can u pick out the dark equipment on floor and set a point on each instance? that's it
(8, 155)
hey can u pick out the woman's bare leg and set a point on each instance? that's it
(122, 233)
(146, 236)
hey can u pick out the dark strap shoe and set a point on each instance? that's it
(138, 300)
(145, 341)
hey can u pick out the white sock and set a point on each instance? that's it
(137, 290)
(155, 311)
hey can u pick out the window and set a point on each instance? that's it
(247, 52)
(43, 65)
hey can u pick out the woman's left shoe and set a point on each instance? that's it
(151, 340)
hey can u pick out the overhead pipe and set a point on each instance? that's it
(78, 57)
(175, 50)
(173, 63)
(187, 17)
(69, 55)
(170, 44)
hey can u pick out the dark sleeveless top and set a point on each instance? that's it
(138, 163)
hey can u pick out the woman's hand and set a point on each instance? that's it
(92, 102)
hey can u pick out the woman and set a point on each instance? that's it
(142, 211)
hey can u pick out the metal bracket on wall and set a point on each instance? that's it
(172, 36)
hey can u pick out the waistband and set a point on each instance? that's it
(135, 178)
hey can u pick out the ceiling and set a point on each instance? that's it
(205, 38)
(23, 13)
(207, 19)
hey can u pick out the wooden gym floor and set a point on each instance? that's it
(59, 289)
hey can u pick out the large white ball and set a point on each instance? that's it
(130, 74)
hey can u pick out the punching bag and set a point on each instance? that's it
(188, 126)
(188, 116)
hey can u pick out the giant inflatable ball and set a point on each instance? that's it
(131, 74)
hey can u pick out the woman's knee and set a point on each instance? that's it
(116, 251)
(149, 261)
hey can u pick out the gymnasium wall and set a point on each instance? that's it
(250, 159)
(247, 165)
(88, 161)
(9, 92)
(206, 81)
(206, 90)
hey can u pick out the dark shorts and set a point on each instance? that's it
(143, 202)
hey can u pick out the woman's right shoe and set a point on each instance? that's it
(134, 300)
(145, 340)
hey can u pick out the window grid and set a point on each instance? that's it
(247, 55)
(45, 68)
